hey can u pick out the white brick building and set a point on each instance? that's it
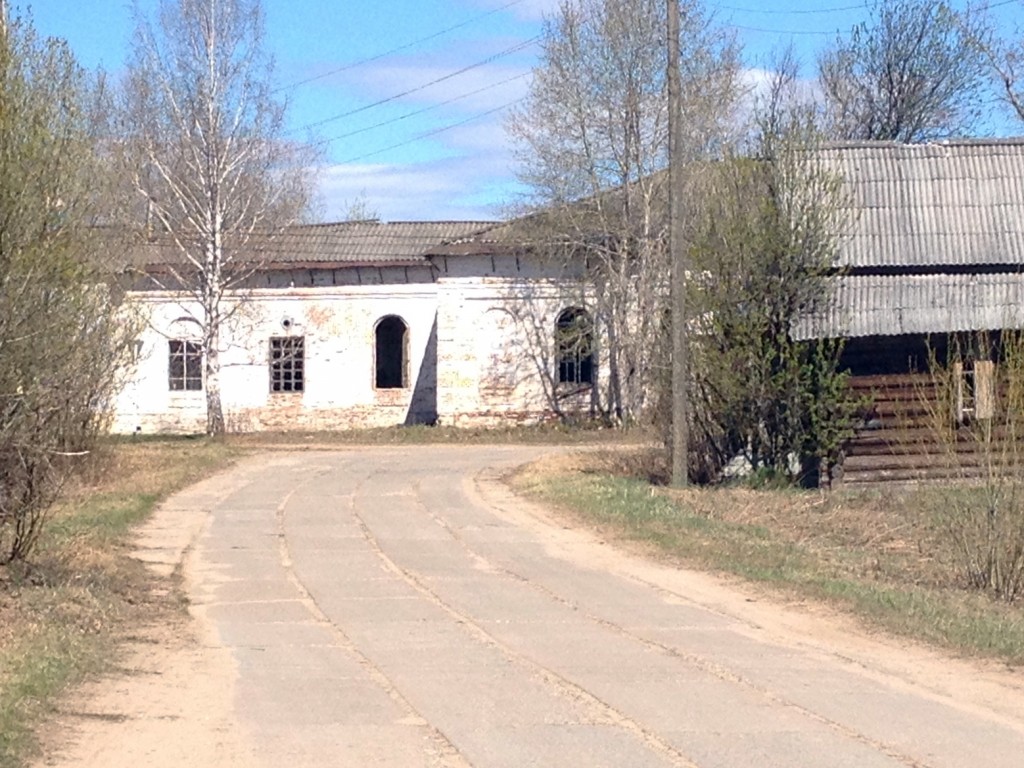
(368, 324)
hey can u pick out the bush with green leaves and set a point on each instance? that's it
(764, 243)
(62, 337)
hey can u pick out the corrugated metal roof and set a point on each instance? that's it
(928, 205)
(871, 305)
(346, 243)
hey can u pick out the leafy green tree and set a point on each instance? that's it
(764, 243)
(62, 337)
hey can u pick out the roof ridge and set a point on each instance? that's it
(967, 141)
(377, 222)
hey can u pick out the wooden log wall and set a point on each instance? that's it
(909, 432)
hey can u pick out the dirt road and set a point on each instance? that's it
(399, 607)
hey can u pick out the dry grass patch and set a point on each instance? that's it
(63, 614)
(878, 553)
(540, 434)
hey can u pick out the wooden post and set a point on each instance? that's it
(677, 257)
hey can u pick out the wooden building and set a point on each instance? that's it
(933, 258)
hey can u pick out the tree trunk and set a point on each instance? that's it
(214, 408)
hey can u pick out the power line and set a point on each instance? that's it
(804, 11)
(793, 12)
(399, 49)
(781, 31)
(432, 107)
(490, 59)
(428, 134)
(818, 11)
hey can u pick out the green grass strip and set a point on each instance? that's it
(966, 623)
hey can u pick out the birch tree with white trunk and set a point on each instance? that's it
(215, 177)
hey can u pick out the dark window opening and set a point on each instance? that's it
(185, 366)
(574, 347)
(287, 364)
(390, 343)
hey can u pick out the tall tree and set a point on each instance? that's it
(913, 72)
(592, 144)
(1005, 57)
(62, 336)
(765, 239)
(204, 134)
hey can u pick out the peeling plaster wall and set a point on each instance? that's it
(338, 327)
(494, 374)
(480, 334)
(496, 325)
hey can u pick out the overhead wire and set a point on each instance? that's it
(476, 65)
(398, 49)
(508, 51)
(810, 32)
(805, 11)
(818, 11)
(424, 110)
(434, 132)
(790, 12)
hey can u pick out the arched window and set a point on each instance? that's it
(574, 346)
(185, 356)
(391, 341)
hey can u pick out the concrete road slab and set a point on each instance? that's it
(397, 607)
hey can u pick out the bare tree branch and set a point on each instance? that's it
(592, 143)
(204, 138)
(914, 72)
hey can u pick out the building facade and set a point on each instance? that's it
(365, 324)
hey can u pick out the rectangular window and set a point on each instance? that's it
(574, 347)
(287, 364)
(185, 366)
(975, 390)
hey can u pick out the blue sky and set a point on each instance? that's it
(438, 152)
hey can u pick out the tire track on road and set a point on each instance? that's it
(563, 685)
(472, 486)
(448, 755)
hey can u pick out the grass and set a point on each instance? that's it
(63, 613)
(876, 554)
(542, 434)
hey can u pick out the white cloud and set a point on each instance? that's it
(472, 178)
(483, 88)
(756, 81)
(437, 190)
(527, 10)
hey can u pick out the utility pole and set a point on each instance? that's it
(3, 19)
(677, 256)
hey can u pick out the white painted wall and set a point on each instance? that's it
(493, 336)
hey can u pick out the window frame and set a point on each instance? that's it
(184, 365)
(575, 363)
(286, 358)
(975, 396)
